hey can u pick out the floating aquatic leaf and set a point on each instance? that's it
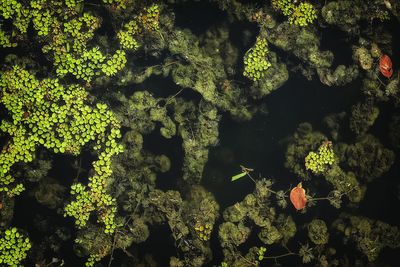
(238, 176)
(298, 197)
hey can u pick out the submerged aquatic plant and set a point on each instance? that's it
(79, 91)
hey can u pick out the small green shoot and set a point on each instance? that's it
(245, 171)
(238, 176)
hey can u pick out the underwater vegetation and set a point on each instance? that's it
(111, 110)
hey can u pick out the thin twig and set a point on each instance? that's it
(248, 171)
(280, 256)
(79, 170)
(173, 96)
(112, 250)
(289, 253)
(247, 260)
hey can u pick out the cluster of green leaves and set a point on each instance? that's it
(203, 231)
(58, 118)
(42, 21)
(80, 30)
(70, 52)
(261, 253)
(92, 260)
(12, 9)
(320, 161)
(147, 20)
(8, 8)
(5, 40)
(84, 66)
(303, 14)
(115, 63)
(72, 3)
(285, 6)
(13, 247)
(300, 14)
(117, 4)
(96, 198)
(126, 36)
(21, 15)
(255, 60)
(65, 35)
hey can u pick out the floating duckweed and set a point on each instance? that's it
(45, 113)
(320, 161)
(300, 14)
(13, 247)
(203, 231)
(255, 60)
(146, 21)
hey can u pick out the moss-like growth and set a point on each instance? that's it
(344, 14)
(275, 76)
(49, 193)
(232, 234)
(364, 58)
(318, 232)
(369, 158)
(191, 220)
(363, 116)
(340, 76)
(254, 210)
(93, 242)
(370, 236)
